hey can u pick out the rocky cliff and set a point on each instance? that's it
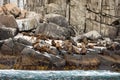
(83, 15)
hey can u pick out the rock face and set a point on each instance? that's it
(84, 61)
(86, 15)
(54, 8)
(83, 15)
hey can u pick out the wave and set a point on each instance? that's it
(59, 75)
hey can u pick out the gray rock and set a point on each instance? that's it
(93, 35)
(8, 21)
(57, 19)
(56, 61)
(30, 22)
(24, 41)
(28, 52)
(6, 50)
(8, 27)
(88, 60)
(18, 47)
(6, 32)
(1, 43)
(51, 29)
(12, 47)
(27, 24)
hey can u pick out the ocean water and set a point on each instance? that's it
(58, 75)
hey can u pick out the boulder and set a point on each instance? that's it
(6, 32)
(27, 24)
(12, 9)
(9, 21)
(92, 35)
(38, 58)
(57, 19)
(8, 27)
(57, 61)
(51, 29)
(12, 47)
(30, 22)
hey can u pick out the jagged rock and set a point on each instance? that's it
(41, 58)
(57, 19)
(28, 52)
(29, 56)
(12, 47)
(57, 61)
(51, 29)
(12, 9)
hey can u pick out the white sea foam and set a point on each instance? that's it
(66, 73)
